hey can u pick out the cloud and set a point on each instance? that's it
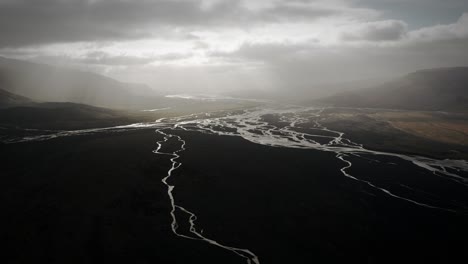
(458, 30)
(388, 30)
(33, 22)
(285, 45)
(267, 51)
(97, 58)
(105, 58)
(29, 22)
(418, 13)
(294, 11)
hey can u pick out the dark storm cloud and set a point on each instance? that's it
(47, 21)
(29, 22)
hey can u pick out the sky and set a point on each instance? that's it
(216, 46)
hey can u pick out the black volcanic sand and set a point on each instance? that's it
(294, 206)
(91, 199)
(99, 199)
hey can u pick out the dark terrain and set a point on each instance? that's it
(90, 199)
(66, 116)
(99, 199)
(294, 206)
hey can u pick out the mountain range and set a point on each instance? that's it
(442, 89)
(46, 83)
(23, 83)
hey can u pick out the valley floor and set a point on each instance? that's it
(98, 198)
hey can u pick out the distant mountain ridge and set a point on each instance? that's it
(442, 89)
(53, 84)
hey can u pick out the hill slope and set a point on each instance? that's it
(8, 99)
(67, 116)
(47, 83)
(444, 89)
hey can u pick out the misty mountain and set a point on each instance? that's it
(443, 89)
(21, 112)
(53, 84)
(8, 99)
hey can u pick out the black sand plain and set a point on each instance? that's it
(99, 199)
